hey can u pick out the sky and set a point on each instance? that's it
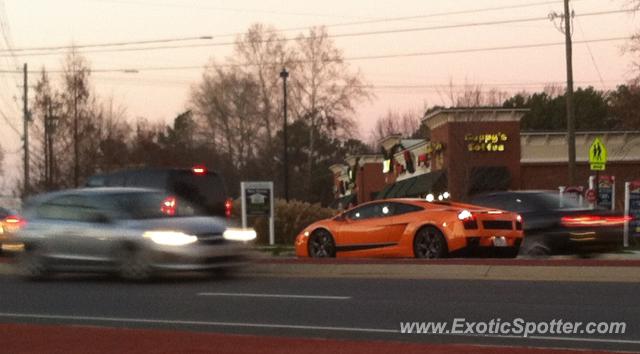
(445, 49)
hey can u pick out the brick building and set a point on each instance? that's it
(474, 150)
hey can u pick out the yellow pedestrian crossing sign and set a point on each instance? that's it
(597, 155)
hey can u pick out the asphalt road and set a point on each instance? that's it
(363, 309)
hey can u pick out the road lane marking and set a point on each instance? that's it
(284, 296)
(198, 323)
(299, 327)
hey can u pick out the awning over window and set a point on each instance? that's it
(383, 193)
(343, 202)
(428, 183)
(415, 186)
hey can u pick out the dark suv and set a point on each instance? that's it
(199, 186)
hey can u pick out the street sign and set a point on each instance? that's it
(258, 201)
(597, 155)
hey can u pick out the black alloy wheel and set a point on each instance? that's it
(429, 243)
(321, 244)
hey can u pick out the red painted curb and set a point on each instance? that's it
(32, 339)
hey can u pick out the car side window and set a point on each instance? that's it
(401, 208)
(371, 211)
(68, 207)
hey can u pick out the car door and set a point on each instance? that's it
(73, 233)
(403, 215)
(366, 227)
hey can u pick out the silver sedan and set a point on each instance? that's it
(135, 233)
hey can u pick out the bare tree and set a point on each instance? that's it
(261, 53)
(225, 102)
(394, 122)
(324, 89)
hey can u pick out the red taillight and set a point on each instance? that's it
(468, 220)
(594, 220)
(199, 170)
(13, 223)
(169, 206)
(228, 207)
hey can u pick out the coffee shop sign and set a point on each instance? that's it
(485, 142)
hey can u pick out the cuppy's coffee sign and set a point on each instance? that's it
(486, 142)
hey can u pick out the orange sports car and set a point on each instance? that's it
(411, 228)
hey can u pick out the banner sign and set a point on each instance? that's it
(634, 208)
(606, 186)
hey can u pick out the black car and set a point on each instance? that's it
(202, 187)
(554, 225)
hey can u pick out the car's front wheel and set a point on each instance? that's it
(321, 244)
(33, 265)
(134, 264)
(430, 243)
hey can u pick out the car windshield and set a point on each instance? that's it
(146, 205)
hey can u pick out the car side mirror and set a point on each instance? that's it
(340, 218)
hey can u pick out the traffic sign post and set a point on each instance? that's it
(597, 161)
(597, 155)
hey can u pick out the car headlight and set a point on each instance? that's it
(170, 238)
(235, 234)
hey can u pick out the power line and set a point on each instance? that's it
(402, 18)
(369, 57)
(221, 8)
(593, 59)
(39, 52)
(110, 44)
(152, 81)
(8, 121)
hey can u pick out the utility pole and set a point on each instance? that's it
(284, 74)
(49, 129)
(571, 119)
(46, 144)
(76, 151)
(25, 102)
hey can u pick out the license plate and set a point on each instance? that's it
(499, 241)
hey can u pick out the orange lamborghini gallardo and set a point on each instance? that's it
(412, 228)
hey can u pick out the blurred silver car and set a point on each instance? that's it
(132, 232)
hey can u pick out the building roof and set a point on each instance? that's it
(544, 147)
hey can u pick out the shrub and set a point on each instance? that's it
(290, 219)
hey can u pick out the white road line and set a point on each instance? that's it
(284, 296)
(299, 327)
(197, 323)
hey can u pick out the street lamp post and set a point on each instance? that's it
(284, 74)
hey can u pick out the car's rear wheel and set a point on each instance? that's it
(321, 244)
(134, 264)
(507, 252)
(430, 243)
(33, 265)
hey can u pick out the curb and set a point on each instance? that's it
(453, 272)
(527, 271)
